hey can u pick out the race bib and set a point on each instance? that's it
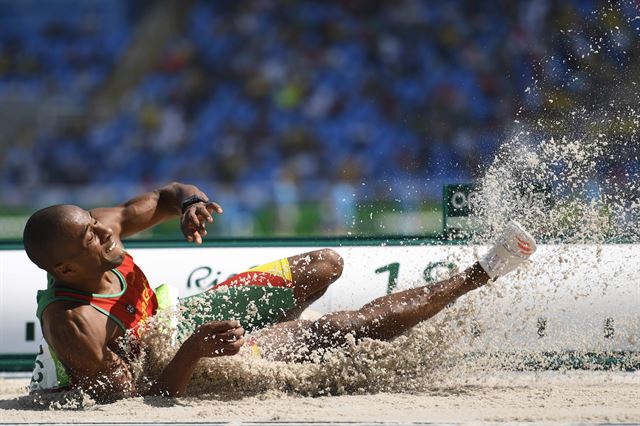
(48, 373)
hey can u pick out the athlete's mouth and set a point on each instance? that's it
(111, 247)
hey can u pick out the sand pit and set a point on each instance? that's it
(549, 397)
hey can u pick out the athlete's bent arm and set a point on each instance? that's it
(106, 377)
(81, 346)
(217, 338)
(152, 208)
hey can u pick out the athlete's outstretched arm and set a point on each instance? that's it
(152, 208)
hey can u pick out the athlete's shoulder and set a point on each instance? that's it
(65, 317)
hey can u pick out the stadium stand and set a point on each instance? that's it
(283, 102)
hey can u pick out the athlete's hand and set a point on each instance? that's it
(193, 222)
(217, 338)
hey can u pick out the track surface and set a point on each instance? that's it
(571, 398)
(292, 424)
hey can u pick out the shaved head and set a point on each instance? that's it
(47, 231)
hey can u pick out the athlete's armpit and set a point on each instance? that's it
(81, 346)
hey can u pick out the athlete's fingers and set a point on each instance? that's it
(193, 218)
(228, 336)
(193, 236)
(222, 326)
(232, 335)
(197, 237)
(233, 348)
(213, 207)
(185, 228)
(203, 212)
(237, 344)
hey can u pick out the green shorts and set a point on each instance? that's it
(256, 298)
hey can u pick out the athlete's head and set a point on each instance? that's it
(69, 243)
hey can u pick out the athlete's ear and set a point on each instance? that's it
(63, 269)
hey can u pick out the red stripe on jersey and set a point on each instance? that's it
(254, 278)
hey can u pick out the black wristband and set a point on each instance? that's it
(189, 201)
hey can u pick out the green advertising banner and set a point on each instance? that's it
(461, 201)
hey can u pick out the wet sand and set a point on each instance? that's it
(548, 397)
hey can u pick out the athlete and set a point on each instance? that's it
(97, 296)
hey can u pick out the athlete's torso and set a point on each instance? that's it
(123, 313)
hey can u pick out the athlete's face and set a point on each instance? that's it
(90, 246)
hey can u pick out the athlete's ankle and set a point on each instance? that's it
(477, 276)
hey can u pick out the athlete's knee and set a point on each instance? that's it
(325, 264)
(334, 261)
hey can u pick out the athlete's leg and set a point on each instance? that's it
(312, 273)
(391, 315)
(383, 318)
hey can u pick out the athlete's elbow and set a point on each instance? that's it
(335, 262)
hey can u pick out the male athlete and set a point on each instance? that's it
(96, 296)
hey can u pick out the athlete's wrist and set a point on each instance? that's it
(190, 350)
(190, 201)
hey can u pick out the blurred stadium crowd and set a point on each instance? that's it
(274, 103)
